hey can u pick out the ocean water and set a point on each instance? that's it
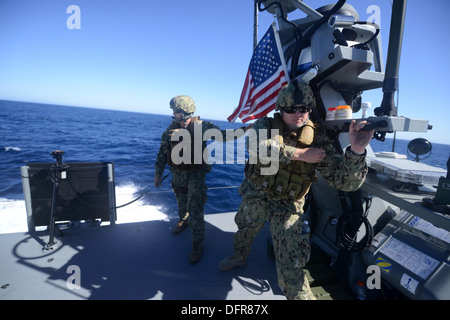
(29, 132)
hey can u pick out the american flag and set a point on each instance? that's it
(266, 75)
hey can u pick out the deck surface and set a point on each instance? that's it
(142, 260)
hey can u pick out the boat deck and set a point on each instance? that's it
(142, 260)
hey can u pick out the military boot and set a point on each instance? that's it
(196, 253)
(181, 225)
(233, 261)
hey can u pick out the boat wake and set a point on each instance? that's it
(13, 216)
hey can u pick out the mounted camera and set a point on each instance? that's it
(57, 154)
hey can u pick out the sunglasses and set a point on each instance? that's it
(301, 109)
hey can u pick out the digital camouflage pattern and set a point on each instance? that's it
(294, 93)
(184, 103)
(188, 185)
(344, 172)
(291, 247)
(190, 191)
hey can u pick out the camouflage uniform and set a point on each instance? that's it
(291, 247)
(189, 185)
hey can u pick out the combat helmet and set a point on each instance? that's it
(183, 103)
(295, 93)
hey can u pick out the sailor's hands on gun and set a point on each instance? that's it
(359, 139)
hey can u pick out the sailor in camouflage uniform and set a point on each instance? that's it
(279, 198)
(188, 172)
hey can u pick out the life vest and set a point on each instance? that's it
(185, 166)
(293, 180)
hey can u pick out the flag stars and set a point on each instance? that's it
(265, 77)
(266, 60)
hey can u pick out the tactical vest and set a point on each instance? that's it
(293, 180)
(186, 166)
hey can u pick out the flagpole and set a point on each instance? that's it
(255, 24)
(280, 50)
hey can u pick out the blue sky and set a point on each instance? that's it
(136, 55)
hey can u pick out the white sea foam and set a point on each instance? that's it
(16, 149)
(138, 210)
(13, 215)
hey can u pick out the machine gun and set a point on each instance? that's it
(381, 125)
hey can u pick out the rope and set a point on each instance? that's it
(144, 193)
(225, 187)
(150, 192)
